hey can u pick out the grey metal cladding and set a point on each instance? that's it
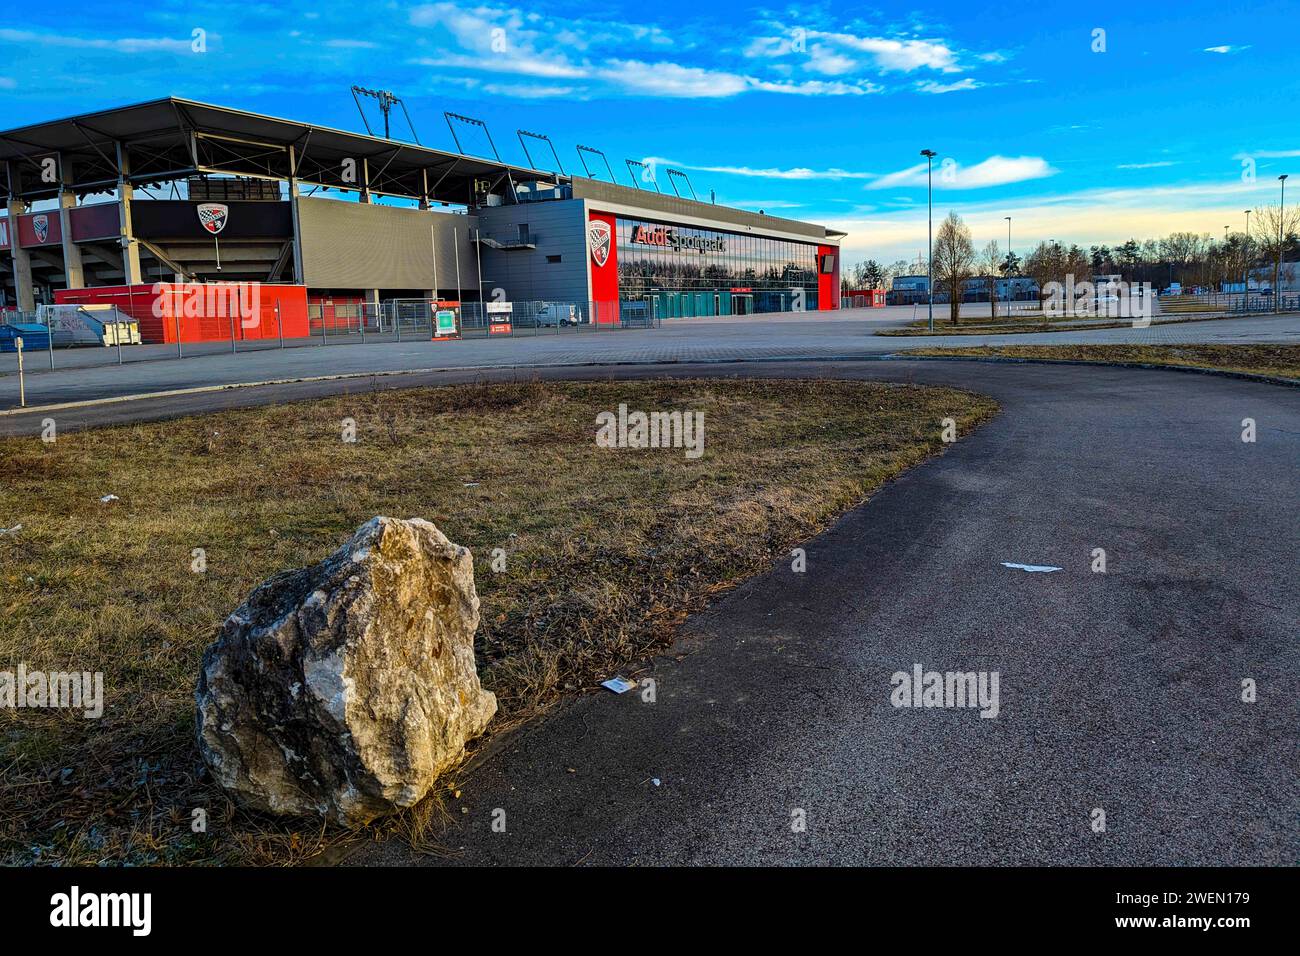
(349, 245)
(596, 191)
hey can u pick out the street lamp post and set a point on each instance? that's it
(1245, 268)
(1008, 260)
(929, 155)
(1277, 263)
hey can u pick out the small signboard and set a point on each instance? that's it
(444, 324)
(499, 315)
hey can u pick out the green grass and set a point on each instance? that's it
(607, 552)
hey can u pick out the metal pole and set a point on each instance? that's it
(1008, 267)
(478, 252)
(1277, 263)
(232, 328)
(22, 385)
(929, 155)
(180, 353)
(361, 321)
(433, 245)
(49, 337)
(279, 324)
(117, 326)
(323, 340)
(1245, 268)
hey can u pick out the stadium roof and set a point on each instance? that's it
(172, 138)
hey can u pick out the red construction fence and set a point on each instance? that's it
(203, 311)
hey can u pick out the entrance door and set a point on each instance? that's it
(742, 304)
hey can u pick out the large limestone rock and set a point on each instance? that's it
(346, 688)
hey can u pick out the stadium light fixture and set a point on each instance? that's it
(386, 100)
(587, 149)
(637, 163)
(547, 140)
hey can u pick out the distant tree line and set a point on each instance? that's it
(1188, 258)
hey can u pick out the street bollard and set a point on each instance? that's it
(22, 387)
(279, 325)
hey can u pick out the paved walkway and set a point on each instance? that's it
(1119, 692)
(846, 334)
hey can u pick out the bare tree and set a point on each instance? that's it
(1270, 227)
(990, 261)
(954, 259)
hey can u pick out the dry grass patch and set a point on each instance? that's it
(607, 551)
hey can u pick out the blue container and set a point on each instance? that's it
(34, 336)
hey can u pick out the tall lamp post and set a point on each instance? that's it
(1277, 263)
(1008, 219)
(1245, 268)
(929, 155)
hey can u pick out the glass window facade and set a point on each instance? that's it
(692, 271)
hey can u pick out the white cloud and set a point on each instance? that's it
(352, 44)
(1155, 165)
(797, 173)
(994, 171)
(672, 79)
(898, 55)
(930, 86)
(1226, 48)
(120, 45)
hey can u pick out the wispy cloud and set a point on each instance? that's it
(1158, 164)
(120, 45)
(930, 86)
(994, 171)
(1226, 48)
(797, 173)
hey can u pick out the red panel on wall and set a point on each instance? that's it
(211, 312)
(602, 252)
(40, 229)
(99, 221)
(828, 284)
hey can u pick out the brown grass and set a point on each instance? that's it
(607, 551)
(1277, 361)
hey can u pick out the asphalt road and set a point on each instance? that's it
(839, 335)
(1118, 692)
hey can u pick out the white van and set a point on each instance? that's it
(556, 314)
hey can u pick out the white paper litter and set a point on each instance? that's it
(1030, 567)
(16, 527)
(107, 498)
(618, 685)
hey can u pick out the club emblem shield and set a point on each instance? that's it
(598, 239)
(41, 226)
(213, 216)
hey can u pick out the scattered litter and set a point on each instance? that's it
(655, 781)
(464, 809)
(107, 498)
(1030, 567)
(471, 484)
(618, 685)
(16, 527)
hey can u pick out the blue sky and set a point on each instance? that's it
(1177, 116)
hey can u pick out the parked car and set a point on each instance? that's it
(554, 314)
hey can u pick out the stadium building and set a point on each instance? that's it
(176, 190)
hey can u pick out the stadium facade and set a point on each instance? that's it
(177, 190)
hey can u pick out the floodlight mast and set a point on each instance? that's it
(650, 179)
(547, 140)
(386, 100)
(678, 172)
(587, 149)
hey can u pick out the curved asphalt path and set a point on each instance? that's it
(1118, 691)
